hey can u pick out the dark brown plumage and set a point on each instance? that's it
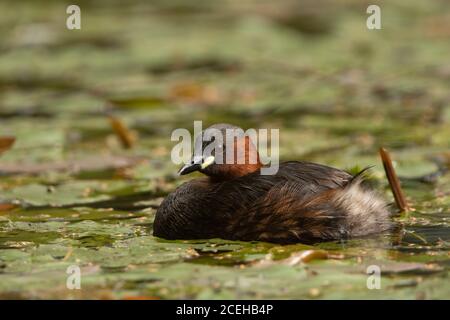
(303, 202)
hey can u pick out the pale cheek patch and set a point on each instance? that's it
(208, 161)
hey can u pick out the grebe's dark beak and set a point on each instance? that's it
(196, 164)
(190, 167)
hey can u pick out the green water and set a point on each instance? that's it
(71, 195)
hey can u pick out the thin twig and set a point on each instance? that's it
(394, 182)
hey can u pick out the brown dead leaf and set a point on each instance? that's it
(126, 137)
(195, 93)
(438, 27)
(6, 143)
(7, 206)
(305, 257)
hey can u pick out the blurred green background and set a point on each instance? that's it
(71, 194)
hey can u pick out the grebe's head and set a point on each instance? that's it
(223, 152)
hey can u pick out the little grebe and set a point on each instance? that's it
(302, 202)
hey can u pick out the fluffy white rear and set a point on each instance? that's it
(366, 211)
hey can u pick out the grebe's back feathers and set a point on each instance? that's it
(306, 202)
